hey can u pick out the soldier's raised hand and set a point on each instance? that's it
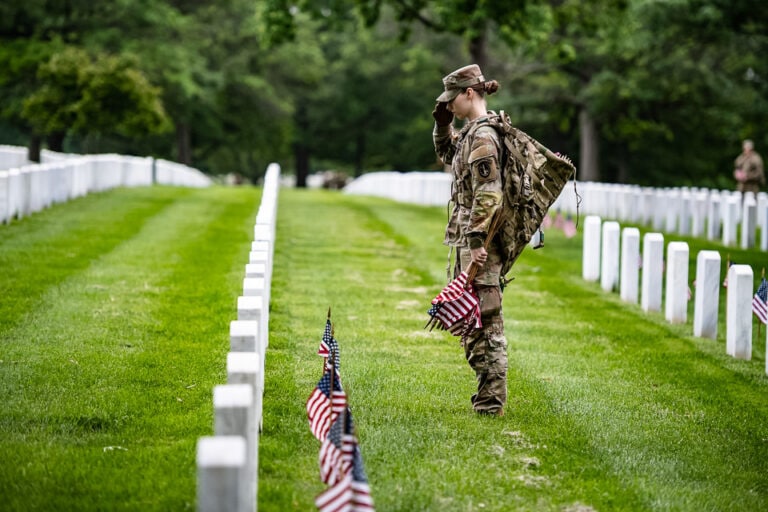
(442, 115)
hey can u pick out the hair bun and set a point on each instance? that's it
(491, 86)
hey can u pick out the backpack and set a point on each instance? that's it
(532, 179)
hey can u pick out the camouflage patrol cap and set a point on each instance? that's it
(460, 79)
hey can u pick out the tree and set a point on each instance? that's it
(84, 95)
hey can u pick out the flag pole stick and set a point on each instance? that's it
(759, 321)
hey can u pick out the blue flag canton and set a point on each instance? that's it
(329, 346)
(762, 290)
(325, 383)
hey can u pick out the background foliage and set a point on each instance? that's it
(641, 91)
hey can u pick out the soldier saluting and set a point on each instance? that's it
(473, 154)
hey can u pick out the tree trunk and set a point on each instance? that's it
(300, 147)
(33, 151)
(360, 144)
(477, 50)
(589, 169)
(183, 143)
(56, 141)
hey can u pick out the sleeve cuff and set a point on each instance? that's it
(475, 240)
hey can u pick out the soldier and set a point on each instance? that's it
(474, 156)
(748, 169)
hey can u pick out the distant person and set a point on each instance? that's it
(473, 154)
(748, 169)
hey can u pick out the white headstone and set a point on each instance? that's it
(609, 257)
(684, 213)
(707, 293)
(699, 214)
(671, 208)
(730, 219)
(653, 272)
(738, 341)
(762, 216)
(244, 336)
(748, 222)
(676, 304)
(591, 251)
(246, 368)
(235, 415)
(221, 474)
(713, 216)
(630, 263)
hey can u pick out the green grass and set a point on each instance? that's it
(114, 332)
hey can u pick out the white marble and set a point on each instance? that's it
(699, 214)
(221, 474)
(591, 251)
(247, 368)
(714, 207)
(684, 213)
(255, 308)
(676, 297)
(762, 217)
(748, 222)
(609, 256)
(738, 342)
(255, 287)
(630, 263)
(671, 208)
(652, 272)
(256, 270)
(731, 219)
(244, 336)
(235, 415)
(707, 294)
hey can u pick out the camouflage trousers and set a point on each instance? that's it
(486, 348)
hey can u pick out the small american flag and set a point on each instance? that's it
(337, 450)
(321, 410)
(569, 227)
(457, 306)
(329, 345)
(760, 300)
(351, 492)
(725, 281)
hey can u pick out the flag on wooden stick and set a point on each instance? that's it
(340, 461)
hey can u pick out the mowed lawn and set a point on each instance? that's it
(114, 315)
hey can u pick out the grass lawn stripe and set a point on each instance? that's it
(109, 380)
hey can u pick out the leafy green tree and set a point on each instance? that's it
(84, 95)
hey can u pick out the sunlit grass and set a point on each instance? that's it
(114, 315)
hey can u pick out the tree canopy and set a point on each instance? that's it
(636, 91)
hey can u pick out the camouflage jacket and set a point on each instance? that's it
(476, 193)
(752, 165)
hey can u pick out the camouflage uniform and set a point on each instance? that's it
(473, 154)
(752, 165)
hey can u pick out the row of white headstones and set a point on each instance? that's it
(730, 216)
(611, 255)
(30, 188)
(227, 461)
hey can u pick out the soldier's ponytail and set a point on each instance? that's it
(489, 87)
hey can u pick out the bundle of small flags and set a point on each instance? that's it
(330, 420)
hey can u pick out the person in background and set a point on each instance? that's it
(473, 154)
(748, 169)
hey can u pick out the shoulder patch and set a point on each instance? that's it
(480, 152)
